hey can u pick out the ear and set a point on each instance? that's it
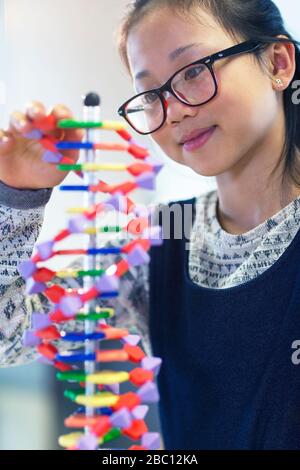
(283, 64)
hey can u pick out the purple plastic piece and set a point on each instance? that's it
(51, 157)
(30, 339)
(138, 256)
(148, 393)
(121, 419)
(114, 388)
(152, 363)
(139, 412)
(154, 235)
(45, 250)
(118, 202)
(156, 164)
(146, 181)
(151, 440)
(133, 340)
(27, 269)
(40, 321)
(88, 442)
(70, 304)
(77, 225)
(107, 283)
(33, 287)
(34, 134)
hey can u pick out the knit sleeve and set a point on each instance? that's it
(19, 231)
(21, 217)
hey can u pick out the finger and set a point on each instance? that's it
(6, 138)
(60, 111)
(35, 110)
(19, 123)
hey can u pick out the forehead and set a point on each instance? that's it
(153, 40)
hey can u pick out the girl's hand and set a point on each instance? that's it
(21, 164)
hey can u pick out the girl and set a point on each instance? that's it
(215, 82)
(215, 88)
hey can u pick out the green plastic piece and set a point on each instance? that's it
(93, 316)
(91, 273)
(71, 124)
(77, 376)
(72, 394)
(112, 434)
(111, 229)
(69, 167)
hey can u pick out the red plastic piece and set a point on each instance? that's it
(139, 168)
(138, 152)
(136, 430)
(124, 188)
(140, 376)
(135, 447)
(122, 268)
(58, 317)
(124, 134)
(138, 225)
(46, 123)
(142, 242)
(43, 275)
(48, 333)
(49, 144)
(55, 293)
(47, 350)
(114, 333)
(135, 353)
(129, 400)
(62, 366)
(102, 426)
(89, 295)
(62, 235)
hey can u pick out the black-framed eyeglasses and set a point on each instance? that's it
(194, 85)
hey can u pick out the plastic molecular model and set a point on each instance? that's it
(104, 413)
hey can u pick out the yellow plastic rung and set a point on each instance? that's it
(76, 210)
(113, 126)
(108, 377)
(64, 274)
(100, 400)
(103, 167)
(71, 440)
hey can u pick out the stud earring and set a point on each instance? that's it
(279, 82)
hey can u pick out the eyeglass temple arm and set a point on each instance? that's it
(248, 46)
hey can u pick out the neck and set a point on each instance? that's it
(252, 191)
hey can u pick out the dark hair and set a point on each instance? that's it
(258, 20)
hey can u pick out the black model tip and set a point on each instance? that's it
(92, 99)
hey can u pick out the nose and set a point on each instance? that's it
(176, 110)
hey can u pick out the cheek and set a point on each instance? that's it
(165, 140)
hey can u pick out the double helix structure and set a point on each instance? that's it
(105, 412)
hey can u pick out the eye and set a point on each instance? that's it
(149, 98)
(193, 72)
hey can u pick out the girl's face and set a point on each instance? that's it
(243, 112)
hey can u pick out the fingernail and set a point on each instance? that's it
(4, 140)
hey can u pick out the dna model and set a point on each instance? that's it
(104, 413)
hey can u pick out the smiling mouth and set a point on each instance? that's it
(199, 140)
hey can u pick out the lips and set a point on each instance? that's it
(188, 138)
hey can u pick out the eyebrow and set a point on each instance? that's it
(172, 56)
